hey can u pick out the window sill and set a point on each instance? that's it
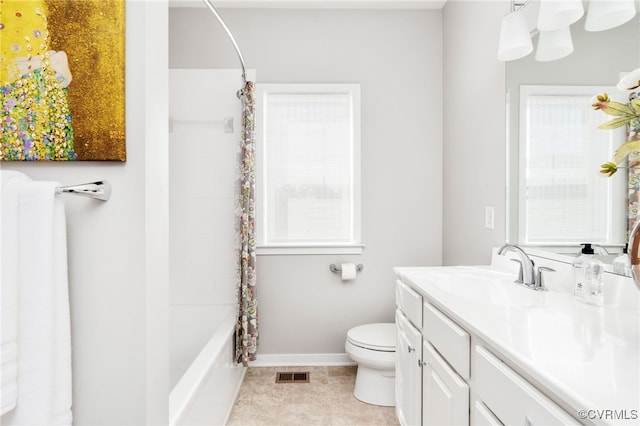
(305, 249)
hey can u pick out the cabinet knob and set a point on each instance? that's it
(410, 349)
(420, 363)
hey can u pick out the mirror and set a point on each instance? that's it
(598, 59)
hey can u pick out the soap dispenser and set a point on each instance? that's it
(622, 264)
(588, 277)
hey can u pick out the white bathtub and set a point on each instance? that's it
(205, 393)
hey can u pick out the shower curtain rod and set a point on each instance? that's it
(228, 31)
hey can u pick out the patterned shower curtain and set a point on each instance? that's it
(633, 210)
(247, 325)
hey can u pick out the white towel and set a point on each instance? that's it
(44, 333)
(10, 183)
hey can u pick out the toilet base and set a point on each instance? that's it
(375, 387)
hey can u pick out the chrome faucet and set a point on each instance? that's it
(527, 275)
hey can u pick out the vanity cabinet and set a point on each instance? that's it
(448, 376)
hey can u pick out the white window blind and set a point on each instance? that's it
(308, 159)
(563, 198)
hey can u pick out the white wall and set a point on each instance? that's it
(117, 251)
(396, 56)
(474, 131)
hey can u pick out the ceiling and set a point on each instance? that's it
(316, 4)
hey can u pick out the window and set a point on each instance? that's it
(308, 165)
(563, 200)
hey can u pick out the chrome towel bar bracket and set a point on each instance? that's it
(99, 190)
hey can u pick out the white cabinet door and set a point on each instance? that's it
(445, 396)
(408, 377)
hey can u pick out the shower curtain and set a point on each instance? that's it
(247, 325)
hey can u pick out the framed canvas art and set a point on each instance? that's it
(62, 80)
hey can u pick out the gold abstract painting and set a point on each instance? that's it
(62, 80)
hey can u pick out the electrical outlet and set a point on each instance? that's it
(488, 217)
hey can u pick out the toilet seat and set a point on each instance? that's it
(377, 337)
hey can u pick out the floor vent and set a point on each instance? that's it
(292, 377)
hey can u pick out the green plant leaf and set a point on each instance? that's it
(624, 150)
(615, 123)
(616, 108)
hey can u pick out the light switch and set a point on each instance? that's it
(488, 217)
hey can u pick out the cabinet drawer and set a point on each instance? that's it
(510, 397)
(409, 302)
(448, 338)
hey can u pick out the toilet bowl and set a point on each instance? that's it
(373, 347)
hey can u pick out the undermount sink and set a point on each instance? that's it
(484, 286)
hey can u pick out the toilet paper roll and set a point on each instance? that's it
(348, 271)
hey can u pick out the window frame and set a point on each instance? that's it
(263, 247)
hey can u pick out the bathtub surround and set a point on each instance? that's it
(205, 196)
(203, 225)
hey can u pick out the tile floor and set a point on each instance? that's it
(326, 400)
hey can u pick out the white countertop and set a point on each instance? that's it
(586, 357)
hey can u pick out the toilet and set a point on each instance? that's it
(373, 347)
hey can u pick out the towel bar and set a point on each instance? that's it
(99, 190)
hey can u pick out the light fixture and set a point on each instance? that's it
(515, 39)
(556, 14)
(607, 14)
(554, 45)
(554, 18)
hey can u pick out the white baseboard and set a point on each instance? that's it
(293, 360)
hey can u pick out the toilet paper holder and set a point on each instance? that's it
(335, 268)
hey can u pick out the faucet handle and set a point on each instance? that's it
(520, 279)
(539, 284)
